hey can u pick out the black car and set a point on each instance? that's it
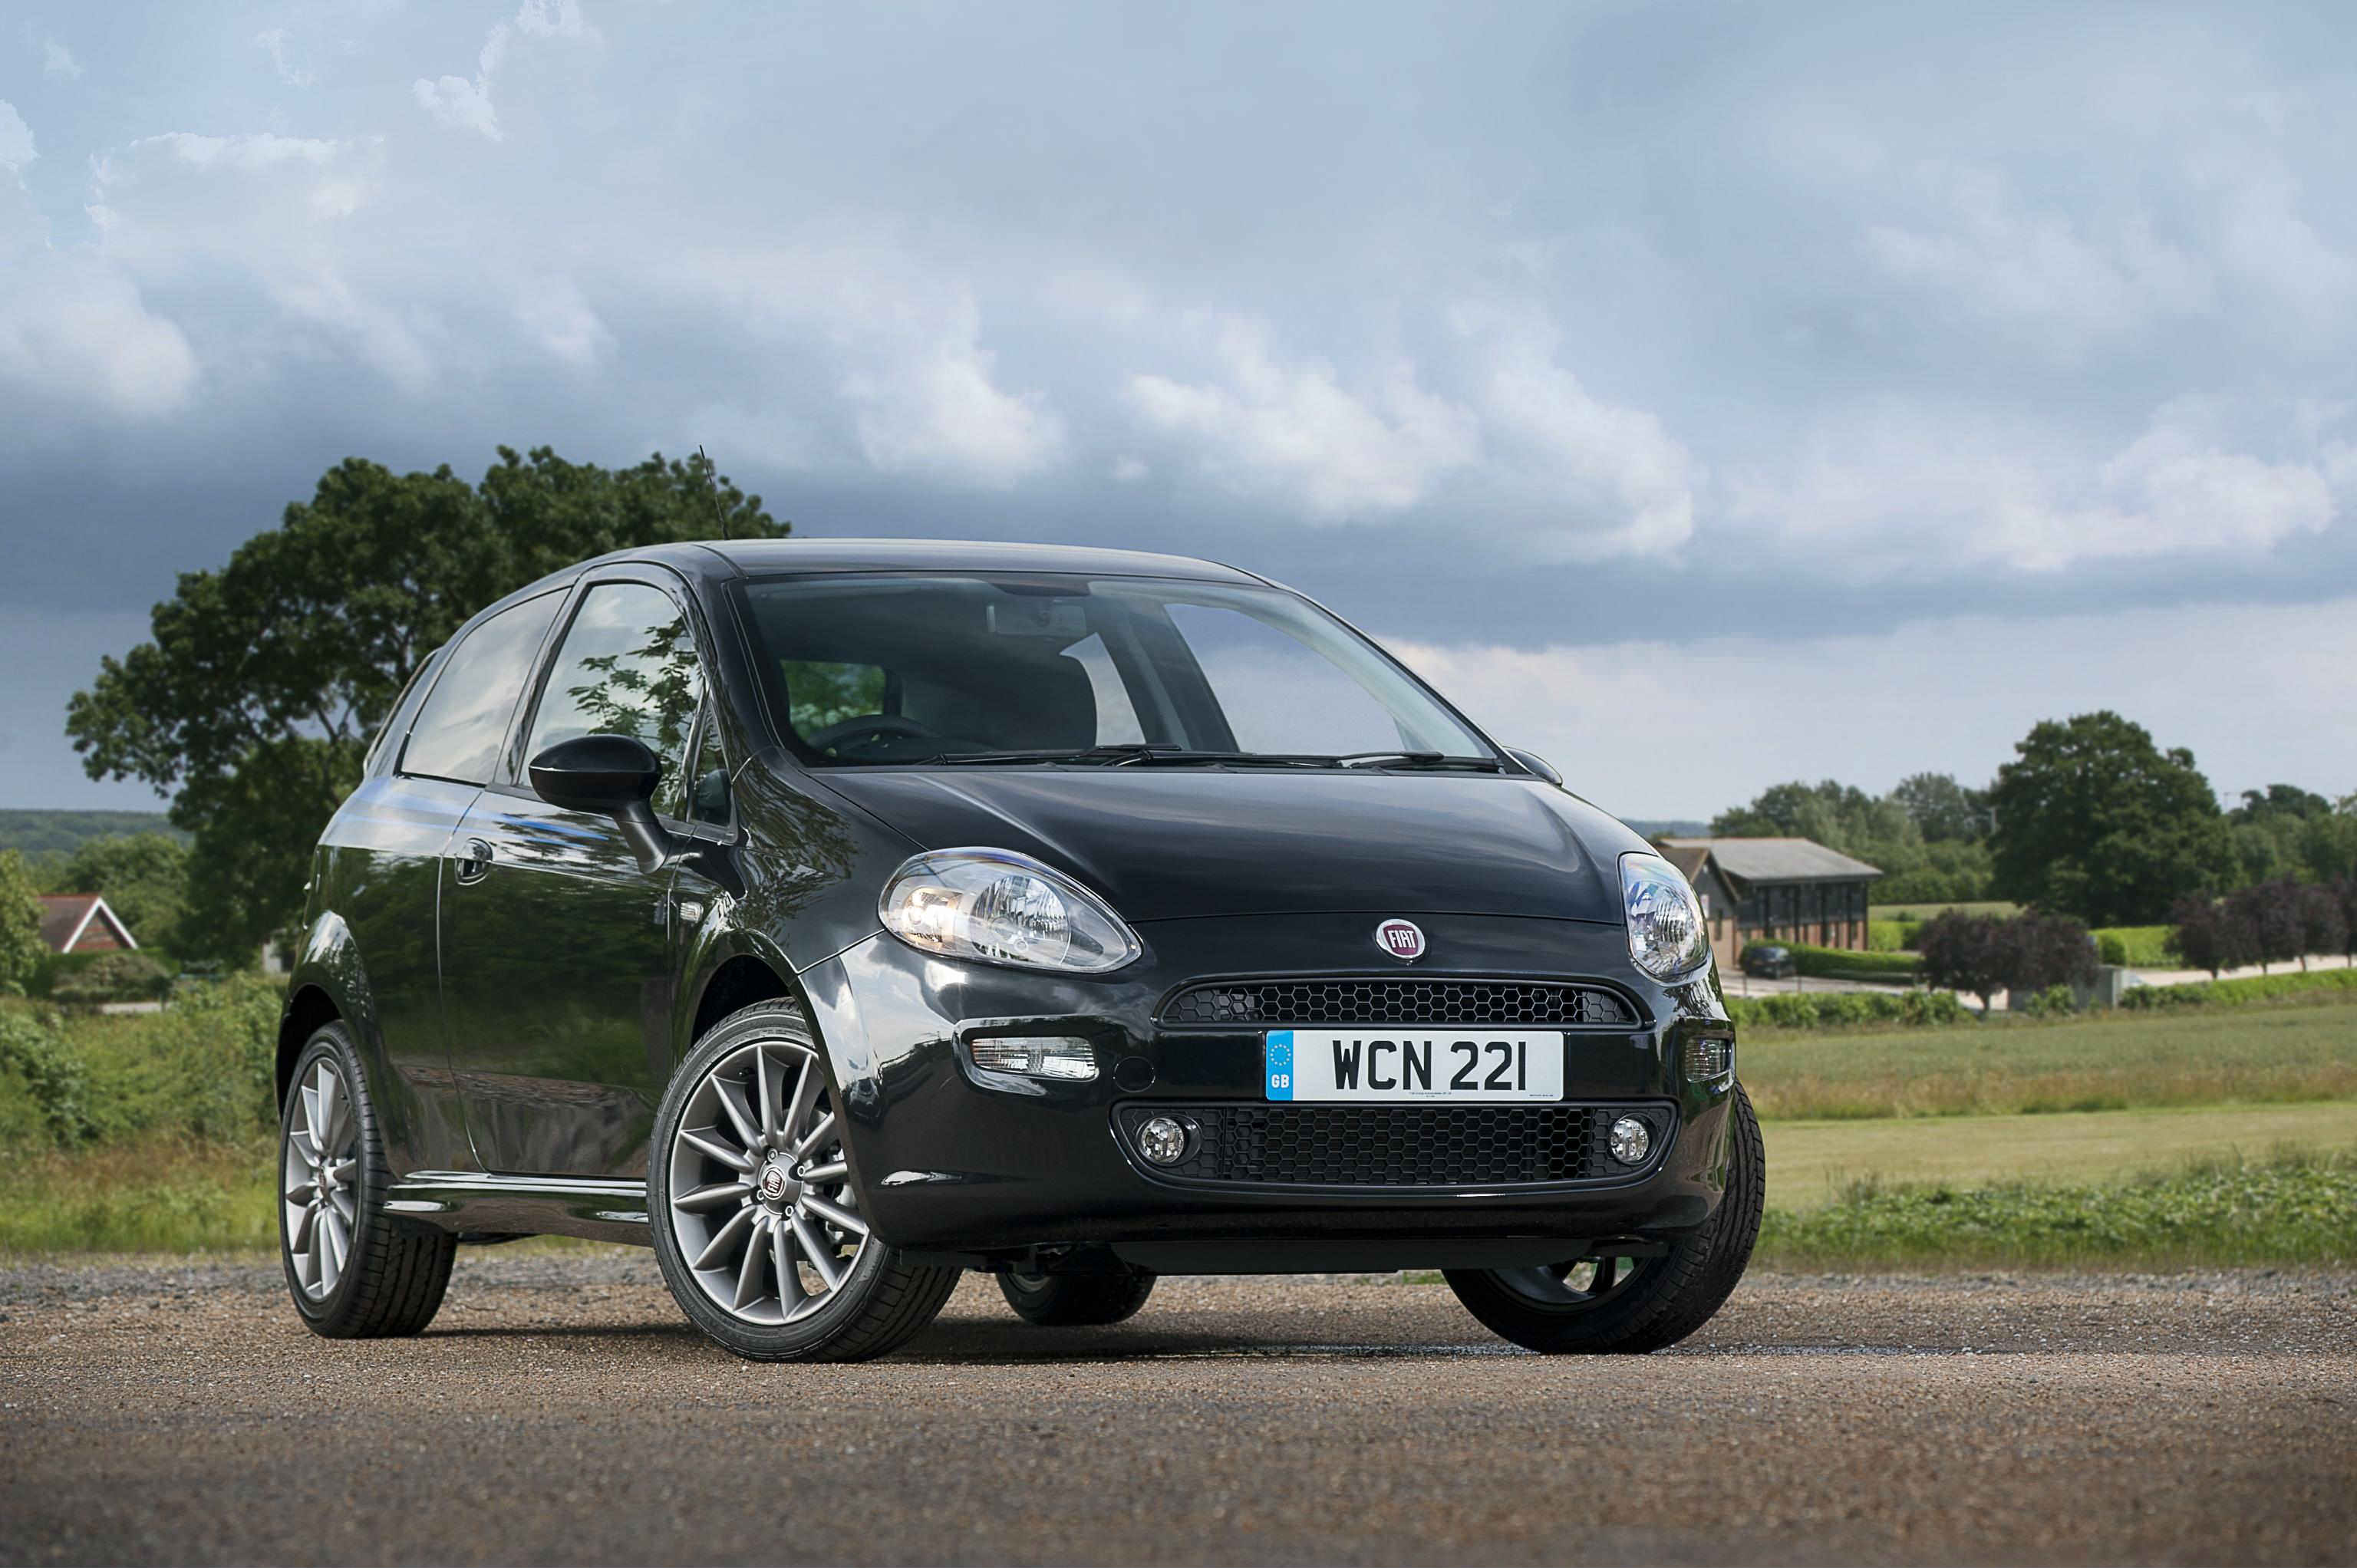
(837, 915)
(1770, 960)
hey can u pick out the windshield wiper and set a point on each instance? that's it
(1419, 759)
(1116, 754)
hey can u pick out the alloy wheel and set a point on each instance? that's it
(761, 1203)
(318, 1179)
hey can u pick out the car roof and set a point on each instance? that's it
(759, 557)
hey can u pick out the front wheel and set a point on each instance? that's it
(1629, 1306)
(757, 1224)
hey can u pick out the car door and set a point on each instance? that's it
(557, 948)
(384, 853)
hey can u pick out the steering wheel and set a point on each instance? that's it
(865, 731)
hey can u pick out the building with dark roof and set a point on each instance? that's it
(1774, 890)
(80, 922)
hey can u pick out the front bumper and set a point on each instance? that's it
(953, 1161)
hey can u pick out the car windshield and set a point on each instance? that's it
(895, 668)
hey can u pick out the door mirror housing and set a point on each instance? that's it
(613, 775)
(1537, 764)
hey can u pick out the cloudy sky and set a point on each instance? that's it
(1704, 396)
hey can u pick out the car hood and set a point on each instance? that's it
(1174, 843)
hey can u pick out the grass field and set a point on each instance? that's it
(1810, 1162)
(2112, 1062)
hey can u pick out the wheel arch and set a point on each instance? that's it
(308, 1007)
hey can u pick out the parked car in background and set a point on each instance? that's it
(835, 917)
(1770, 960)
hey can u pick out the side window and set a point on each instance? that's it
(396, 723)
(465, 718)
(627, 667)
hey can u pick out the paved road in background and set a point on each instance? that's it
(560, 1411)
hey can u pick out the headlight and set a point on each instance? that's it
(1665, 932)
(1003, 908)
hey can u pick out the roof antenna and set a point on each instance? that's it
(712, 477)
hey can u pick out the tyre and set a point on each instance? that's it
(1631, 1306)
(1066, 1301)
(354, 1271)
(756, 1221)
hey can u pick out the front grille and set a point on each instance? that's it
(1397, 999)
(1393, 1146)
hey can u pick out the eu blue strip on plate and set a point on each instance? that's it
(1280, 1064)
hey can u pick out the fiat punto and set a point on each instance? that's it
(836, 916)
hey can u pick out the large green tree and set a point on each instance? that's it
(1918, 865)
(144, 878)
(2095, 820)
(21, 949)
(253, 704)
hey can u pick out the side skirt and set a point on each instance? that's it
(473, 1203)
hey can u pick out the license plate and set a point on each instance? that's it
(1473, 1064)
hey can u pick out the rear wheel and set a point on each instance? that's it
(757, 1224)
(1629, 1306)
(1063, 1301)
(354, 1273)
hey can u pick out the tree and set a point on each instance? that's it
(2323, 926)
(2094, 820)
(21, 948)
(254, 703)
(1965, 952)
(2211, 933)
(144, 877)
(2270, 911)
(2345, 889)
(1879, 831)
(2047, 949)
(2280, 801)
(1943, 811)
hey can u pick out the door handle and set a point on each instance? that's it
(474, 860)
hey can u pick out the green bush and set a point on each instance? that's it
(2240, 992)
(204, 1069)
(1892, 936)
(2054, 1001)
(1824, 1009)
(2138, 946)
(1848, 963)
(124, 976)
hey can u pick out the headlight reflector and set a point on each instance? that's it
(1666, 930)
(1003, 908)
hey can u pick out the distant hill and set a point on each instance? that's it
(1679, 829)
(61, 833)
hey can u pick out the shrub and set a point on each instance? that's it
(1788, 1010)
(1848, 963)
(1892, 936)
(54, 1073)
(2111, 948)
(124, 976)
(2054, 1001)
(2240, 992)
(1966, 953)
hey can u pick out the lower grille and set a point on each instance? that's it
(1450, 1146)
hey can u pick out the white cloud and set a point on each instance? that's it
(274, 42)
(1991, 254)
(2242, 685)
(74, 331)
(1905, 488)
(16, 150)
(1293, 431)
(58, 63)
(464, 103)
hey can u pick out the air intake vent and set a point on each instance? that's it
(1395, 998)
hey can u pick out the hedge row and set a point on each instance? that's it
(205, 1067)
(2240, 992)
(1816, 1010)
(1848, 963)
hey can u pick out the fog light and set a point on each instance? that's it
(1037, 1055)
(1630, 1139)
(1163, 1140)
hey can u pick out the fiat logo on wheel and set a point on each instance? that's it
(1404, 939)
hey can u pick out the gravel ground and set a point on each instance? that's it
(560, 1411)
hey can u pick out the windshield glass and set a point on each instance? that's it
(900, 669)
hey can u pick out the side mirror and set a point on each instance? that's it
(613, 775)
(1537, 764)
